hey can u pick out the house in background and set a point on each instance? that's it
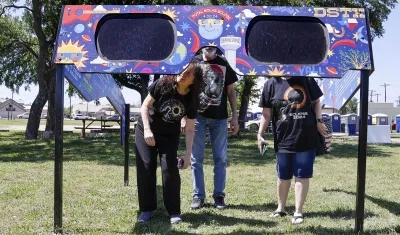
(44, 110)
(6, 105)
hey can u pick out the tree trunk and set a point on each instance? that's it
(32, 128)
(244, 98)
(50, 124)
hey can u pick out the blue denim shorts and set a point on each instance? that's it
(299, 165)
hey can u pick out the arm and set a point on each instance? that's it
(144, 110)
(318, 114)
(230, 89)
(189, 136)
(264, 122)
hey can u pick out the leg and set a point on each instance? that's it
(146, 165)
(303, 165)
(284, 170)
(171, 180)
(198, 157)
(219, 142)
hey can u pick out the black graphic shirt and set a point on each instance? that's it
(168, 108)
(217, 75)
(293, 120)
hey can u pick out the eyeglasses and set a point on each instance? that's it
(204, 22)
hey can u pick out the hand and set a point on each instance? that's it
(186, 161)
(149, 137)
(260, 141)
(183, 125)
(322, 128)
(234, 126)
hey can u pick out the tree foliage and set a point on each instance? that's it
(350, 107)
(27, 43)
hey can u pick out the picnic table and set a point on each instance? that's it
(105, 126)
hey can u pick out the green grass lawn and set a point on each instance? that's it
(23, 122)
(96, 202)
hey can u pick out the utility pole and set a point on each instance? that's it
(12, 102)
(385, 85)
(377, 97)
(372, 93)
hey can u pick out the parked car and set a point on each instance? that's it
(113, 118)
(23, 116)
(253, 125)
(133, 119)
(79, 116)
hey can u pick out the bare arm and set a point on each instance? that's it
(144, 110)
(264, 122)
(317, 108)
(318, 114)
(232, 101)
(189, 135)
(230, 89)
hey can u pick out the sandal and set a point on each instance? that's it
(278, 214)
(297, 219)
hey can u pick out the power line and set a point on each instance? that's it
(372, 92)
(377, 97)
(385, 85)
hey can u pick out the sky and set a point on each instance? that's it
(386, 53)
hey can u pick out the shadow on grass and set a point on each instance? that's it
(242, 150)
(15, 148)
(392, 207)
(207, 218)
(334, 231)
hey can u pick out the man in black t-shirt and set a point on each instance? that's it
(294, 107)
(219, 79)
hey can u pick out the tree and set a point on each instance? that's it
(29, 42)
(379, 11)
(350, 107)
(247, 93)
(26, 43)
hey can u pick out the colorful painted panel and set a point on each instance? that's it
(220, 26)
(95, 86)
(338, 91)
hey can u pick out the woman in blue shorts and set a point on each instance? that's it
(293, 106)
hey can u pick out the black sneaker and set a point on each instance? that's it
(197, 203)
(219, 202)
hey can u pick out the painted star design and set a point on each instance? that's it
(90, 25)
(356, 36)
(333, 39)
(185, 26)
(228, 25)
(189, 42)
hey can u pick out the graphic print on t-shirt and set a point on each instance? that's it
(295, 97)
(214, 84)
(172, 110)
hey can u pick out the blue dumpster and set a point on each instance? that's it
(381, 119)
(398, 123)
(325, 115)
(351, 121)
(335, 119)
(369, 119)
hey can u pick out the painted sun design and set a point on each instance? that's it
(276, 70)
(129, 71)
(265, 13)
(252, 72)
(212, 44)
(71, 52)
(330, 53)
(171, 13)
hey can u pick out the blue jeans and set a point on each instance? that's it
(218, 129)
(299, 164)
